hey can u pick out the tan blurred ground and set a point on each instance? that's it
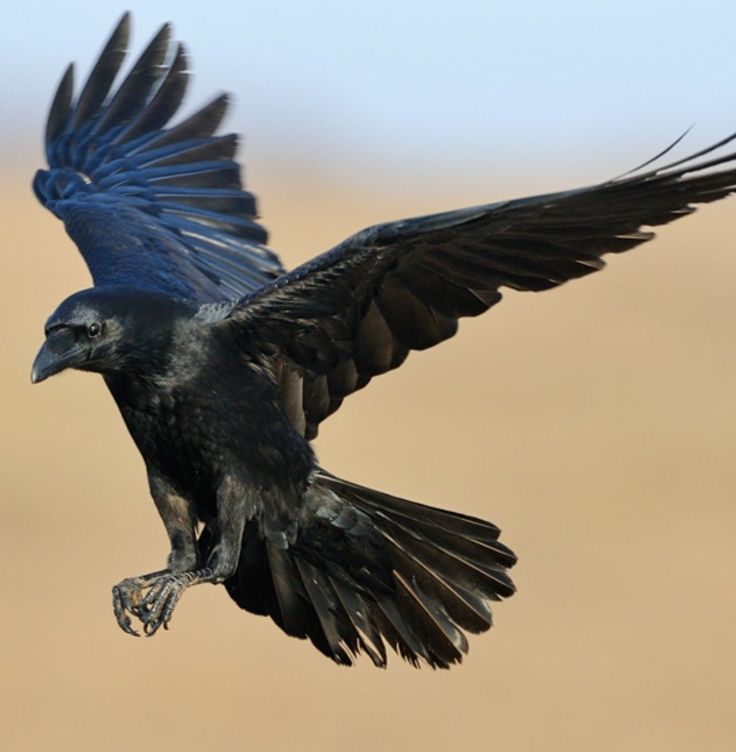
(595, 424)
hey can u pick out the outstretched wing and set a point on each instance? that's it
(149, 206)
(356, 311)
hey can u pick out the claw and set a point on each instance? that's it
(154, 609)
(127, 601)
(122, 604)
(160, 601)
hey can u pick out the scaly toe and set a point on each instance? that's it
(160, 603)
(123, 603)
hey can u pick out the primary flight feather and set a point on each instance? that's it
(224, 365)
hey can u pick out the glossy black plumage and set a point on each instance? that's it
(118, 175)
(223, 365)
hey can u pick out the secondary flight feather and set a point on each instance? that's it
(223, 364)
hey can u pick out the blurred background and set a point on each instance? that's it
(595, 424)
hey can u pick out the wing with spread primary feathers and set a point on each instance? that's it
(150, 206)
(358, 310)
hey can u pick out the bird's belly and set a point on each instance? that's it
(180, 447)
(197, 439)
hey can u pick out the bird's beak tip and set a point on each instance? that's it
(44, 365)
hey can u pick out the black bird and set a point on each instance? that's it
(224, 365)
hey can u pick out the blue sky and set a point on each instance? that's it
(416, 87)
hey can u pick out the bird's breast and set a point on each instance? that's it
(223, 422)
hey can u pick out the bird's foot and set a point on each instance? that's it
(155, 607)
(127, 600)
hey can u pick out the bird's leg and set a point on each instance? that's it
(158, 604)
(179, 519)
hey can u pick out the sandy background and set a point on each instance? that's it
(595, 424)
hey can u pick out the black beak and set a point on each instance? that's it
(59, 351)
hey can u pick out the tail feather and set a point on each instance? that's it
(338, 631)
(290, 596)
(429, 622)
(441, 519)
(395, 627)
(469, 611)
(470, 536)
(368, 568)
(358, 613)
(471, 573)
(304, 609)
(263, 585)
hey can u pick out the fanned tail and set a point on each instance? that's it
(368, 568)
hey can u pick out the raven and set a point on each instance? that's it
(223, 364)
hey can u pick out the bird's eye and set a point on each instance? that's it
(94, 330)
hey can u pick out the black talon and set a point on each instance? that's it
(120, 606)
(155, 608)
(128, 600)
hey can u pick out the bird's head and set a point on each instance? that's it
(107, 330)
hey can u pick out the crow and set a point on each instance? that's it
(223, 364)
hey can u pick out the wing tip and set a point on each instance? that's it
(61, 105)
(121, 32)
